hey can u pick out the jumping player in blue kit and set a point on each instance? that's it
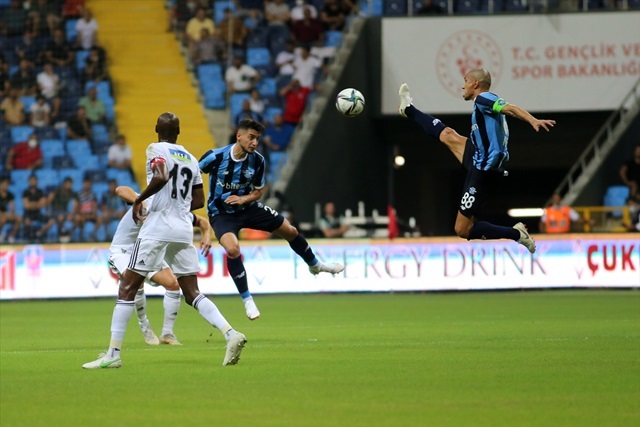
(236, 183)
(483, 154)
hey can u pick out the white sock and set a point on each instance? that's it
(121, 315)
(171, 303)
(141, 308)
(211, 314)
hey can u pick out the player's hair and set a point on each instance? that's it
(246, 124)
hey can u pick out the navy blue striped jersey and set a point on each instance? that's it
(229, 176)
(489, 132)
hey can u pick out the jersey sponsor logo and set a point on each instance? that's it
(472, 190)
(248, 173)
(232, 186)
(179, 155)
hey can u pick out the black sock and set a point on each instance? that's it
(432, 126)
(487, 231)
(238, 274)
(300, 246)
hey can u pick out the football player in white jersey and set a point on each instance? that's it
(173, 176)
(120, 254)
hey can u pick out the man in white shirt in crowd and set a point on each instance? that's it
(240, 77)
(87, 28)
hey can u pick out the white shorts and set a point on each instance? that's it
(118, 262)
(150, 255)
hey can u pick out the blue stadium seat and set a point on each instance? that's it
(47, 177)
(81, 56)
(214, 94)
(85, 160)
(257, 56)
(395, 8)
(236, 103)
(333, 38)
(376, 7)
(70, 29)
(616, 195)
(21, 133)
(63, 162)
(5, 3)
(267, 86)
(96, 175)
(209, 71)
(78, 147)
(219, 7)
(75, 174)
(100, 133)
(467, 6)
(100, 188)
(51, 148)
(28, 101)
(516, 6)
(47, 132)
(258, 38)
(270, 112)
(103, 89)
(110, 114)
(633, 4)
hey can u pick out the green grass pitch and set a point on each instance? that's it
(546, 358)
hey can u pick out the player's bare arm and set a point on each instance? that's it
(205, 243)
(256, 194)
(126, 193)
(197, 197)
(522, 114)
(158, 181)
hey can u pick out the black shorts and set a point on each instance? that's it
(479, 186)
(258, 217)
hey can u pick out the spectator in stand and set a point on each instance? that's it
(95, 68)
(24, 80)
(113, 207)
(240, 77)
(13, 109)
(306, 67)
(78, 126)
(430, 8)
(182, 12)
(297, 13)
(209, 48)
(277, 13)
(8, 213)
(557, 218)
(72, 9)
(4, 77)
(59, 52)
(119, 155)
(285, 58)
(253, 9)
(44, 17)
(308, 30)
(195, 25)
(238, 30)
(630, 173)
(334, 14)
(49, 86)
(14, 19)
(633, 203)
(88, 209)
(245, 113)
(94, 108)
(87, 28)
(63, 202)
(331, 225)
(26, 48)
(295, 99)
(277, 135)
(256, 102)
(34, 202)
(40, 112)
(25, 155)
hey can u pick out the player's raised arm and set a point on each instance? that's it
(522, 114)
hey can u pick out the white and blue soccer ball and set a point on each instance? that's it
(350, 102)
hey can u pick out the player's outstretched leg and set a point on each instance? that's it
(239, 276)
(525, 238)
(141, 311)
(301, 247)
(208, 310)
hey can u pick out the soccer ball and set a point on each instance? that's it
(350, 102)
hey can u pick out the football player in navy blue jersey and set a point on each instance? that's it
(236, 183)
(483, 154)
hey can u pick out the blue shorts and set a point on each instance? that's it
(258, 217)
(479, 186)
